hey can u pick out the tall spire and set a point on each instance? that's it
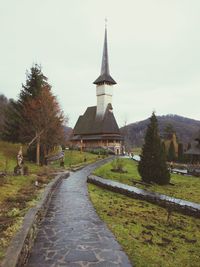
(105, 73)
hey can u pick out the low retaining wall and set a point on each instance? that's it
(171, 203)
(19, 249)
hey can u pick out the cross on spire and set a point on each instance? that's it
(105, 73)
(106, 22)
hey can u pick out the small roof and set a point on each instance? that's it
(198, 139)
(90, 124)
(194, 150)
(105, 73)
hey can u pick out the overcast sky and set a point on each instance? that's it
(154, 53)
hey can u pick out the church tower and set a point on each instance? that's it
(104, 83)
(97, 128)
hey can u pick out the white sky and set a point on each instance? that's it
(154, 53)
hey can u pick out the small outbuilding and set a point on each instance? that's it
(194, 151)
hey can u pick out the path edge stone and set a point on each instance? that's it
(21, 244)
(155, 198)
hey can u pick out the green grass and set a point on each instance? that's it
(74, 158)
(185, 187)
(145, 234)
(18, 193)
(8, 157)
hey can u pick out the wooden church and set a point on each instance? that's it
(97, 127)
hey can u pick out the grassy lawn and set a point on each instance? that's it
(185, 187)
(74, 158)
(145, 234)
(8, 154)
(18, 193)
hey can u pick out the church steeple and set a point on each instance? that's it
(105, 73)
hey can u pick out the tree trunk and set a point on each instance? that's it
(38, 151)
(45, 154)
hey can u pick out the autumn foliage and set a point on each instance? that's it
(42, 116)
(36, 116)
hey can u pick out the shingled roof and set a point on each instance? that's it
(195, 148)
(90, 124)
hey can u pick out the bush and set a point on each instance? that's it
(97, 151)
(118, 165)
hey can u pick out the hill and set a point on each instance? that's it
(185, 129)
(67, 132)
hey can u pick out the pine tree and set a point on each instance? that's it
(152, 166)
(3, 106)
(35, 82)
(169, 129)
(180, 152)
(171, 152)
(11, 122)
(164, 148)
(35, 115)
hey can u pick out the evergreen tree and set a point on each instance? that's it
(171, 152)
(180, 152)
(189, 146)
(11, 122)
(35, 82)
(169, 129)
(152, 166)
(36, 115)
(3, 106)
(186, 157)
(164, 148)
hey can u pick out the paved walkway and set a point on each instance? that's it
(72, 234)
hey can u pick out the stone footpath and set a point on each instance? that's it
(72, 234)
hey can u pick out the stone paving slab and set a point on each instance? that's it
(72, 234)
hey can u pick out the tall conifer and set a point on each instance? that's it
(35, 82)
(171, 153)
(180, 152)
(152, 166)
(36, 115)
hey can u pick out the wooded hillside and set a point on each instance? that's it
(185, 129)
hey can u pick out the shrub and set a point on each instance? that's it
(118, 165)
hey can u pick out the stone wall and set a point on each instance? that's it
(170, 203)
(19, 249)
